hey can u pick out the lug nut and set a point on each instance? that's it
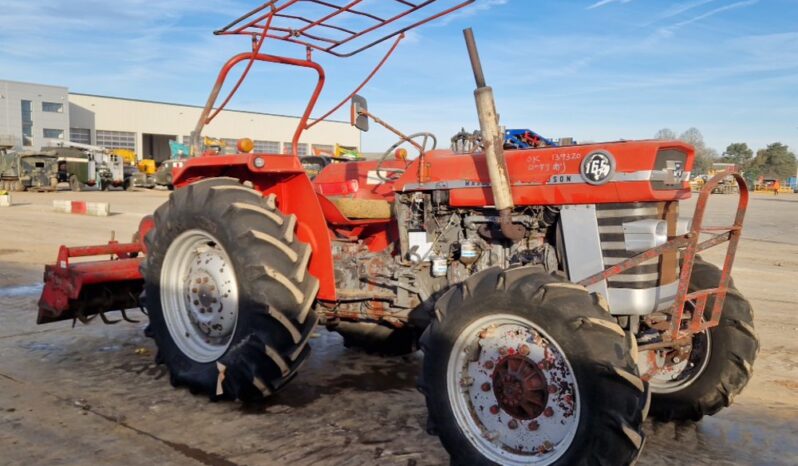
(486, 387)
(548, 412)
(533, 425)
(513, 424)
(494, 409)
(489, 365)
(523, 350)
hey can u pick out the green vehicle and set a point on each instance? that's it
(88, 166)
(28, 171)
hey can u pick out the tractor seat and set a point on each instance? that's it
(363, 209)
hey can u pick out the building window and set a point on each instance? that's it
(319, 149)
(230, 146)
(52, 107)
(80, 135)
(27, 123)
(116, 140)
(53, 133)
(288, 148)
(267, 147)
(187, 140)
(302, 150)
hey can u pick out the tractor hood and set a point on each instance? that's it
(638, 171)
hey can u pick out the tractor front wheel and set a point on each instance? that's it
(228, 292)
(719, 363)
(523, 368)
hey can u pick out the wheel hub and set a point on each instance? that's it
(520, 387)
(205, 300)
(199, 295)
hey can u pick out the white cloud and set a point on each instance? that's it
(681, 8)
(602, 3)
(669, 30)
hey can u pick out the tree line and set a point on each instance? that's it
(775, 161)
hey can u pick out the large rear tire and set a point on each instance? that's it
(721, 361)
(222, 251)
(523, 368)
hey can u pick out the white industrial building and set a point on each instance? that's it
(33, 114)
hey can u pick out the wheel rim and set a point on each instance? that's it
(669, 371)
(513, 392)
(199, 295)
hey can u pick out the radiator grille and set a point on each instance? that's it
(611, 218)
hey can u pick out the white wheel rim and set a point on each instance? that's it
(515, 343)
(666, 376)
(199, 295)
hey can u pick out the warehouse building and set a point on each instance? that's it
(35, 114)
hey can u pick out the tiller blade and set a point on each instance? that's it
(83, 290)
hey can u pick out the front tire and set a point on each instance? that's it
(720, 363)
(228, 292)
(523, 368)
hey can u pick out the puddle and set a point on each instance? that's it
(21, 291)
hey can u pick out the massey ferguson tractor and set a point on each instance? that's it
(556, 294)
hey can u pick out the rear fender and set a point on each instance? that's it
(283, 176)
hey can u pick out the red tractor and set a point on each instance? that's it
(555, 293)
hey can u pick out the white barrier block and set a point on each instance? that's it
(62, 206)
(98, 209)
(5, 200)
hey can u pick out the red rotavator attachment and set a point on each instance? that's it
(81, 290)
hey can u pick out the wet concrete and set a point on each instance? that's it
(93, 395)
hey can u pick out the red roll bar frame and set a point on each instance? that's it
(273, 20)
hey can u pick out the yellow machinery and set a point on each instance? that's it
(147, 166)
(127, 155)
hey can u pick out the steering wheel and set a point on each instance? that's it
(393, 174)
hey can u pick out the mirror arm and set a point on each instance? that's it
(390, 128)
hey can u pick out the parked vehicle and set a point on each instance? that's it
(22, 171)
(83, 165)
(552, 290)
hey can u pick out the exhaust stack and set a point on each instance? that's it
(493, 142)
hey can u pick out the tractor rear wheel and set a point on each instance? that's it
(720, 362)
(228, 291)
(523, 368)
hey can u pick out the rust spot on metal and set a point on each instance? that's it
(520, 387)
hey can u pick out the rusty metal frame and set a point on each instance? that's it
(268, 21)
(264, 23)
(689, 245)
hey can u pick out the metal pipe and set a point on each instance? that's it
(493, 142)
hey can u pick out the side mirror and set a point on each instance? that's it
(359, 113)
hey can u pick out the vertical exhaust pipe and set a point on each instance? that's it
(493, 142)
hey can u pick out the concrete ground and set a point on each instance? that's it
(92, 395)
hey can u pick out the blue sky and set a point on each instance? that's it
(591, 69)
